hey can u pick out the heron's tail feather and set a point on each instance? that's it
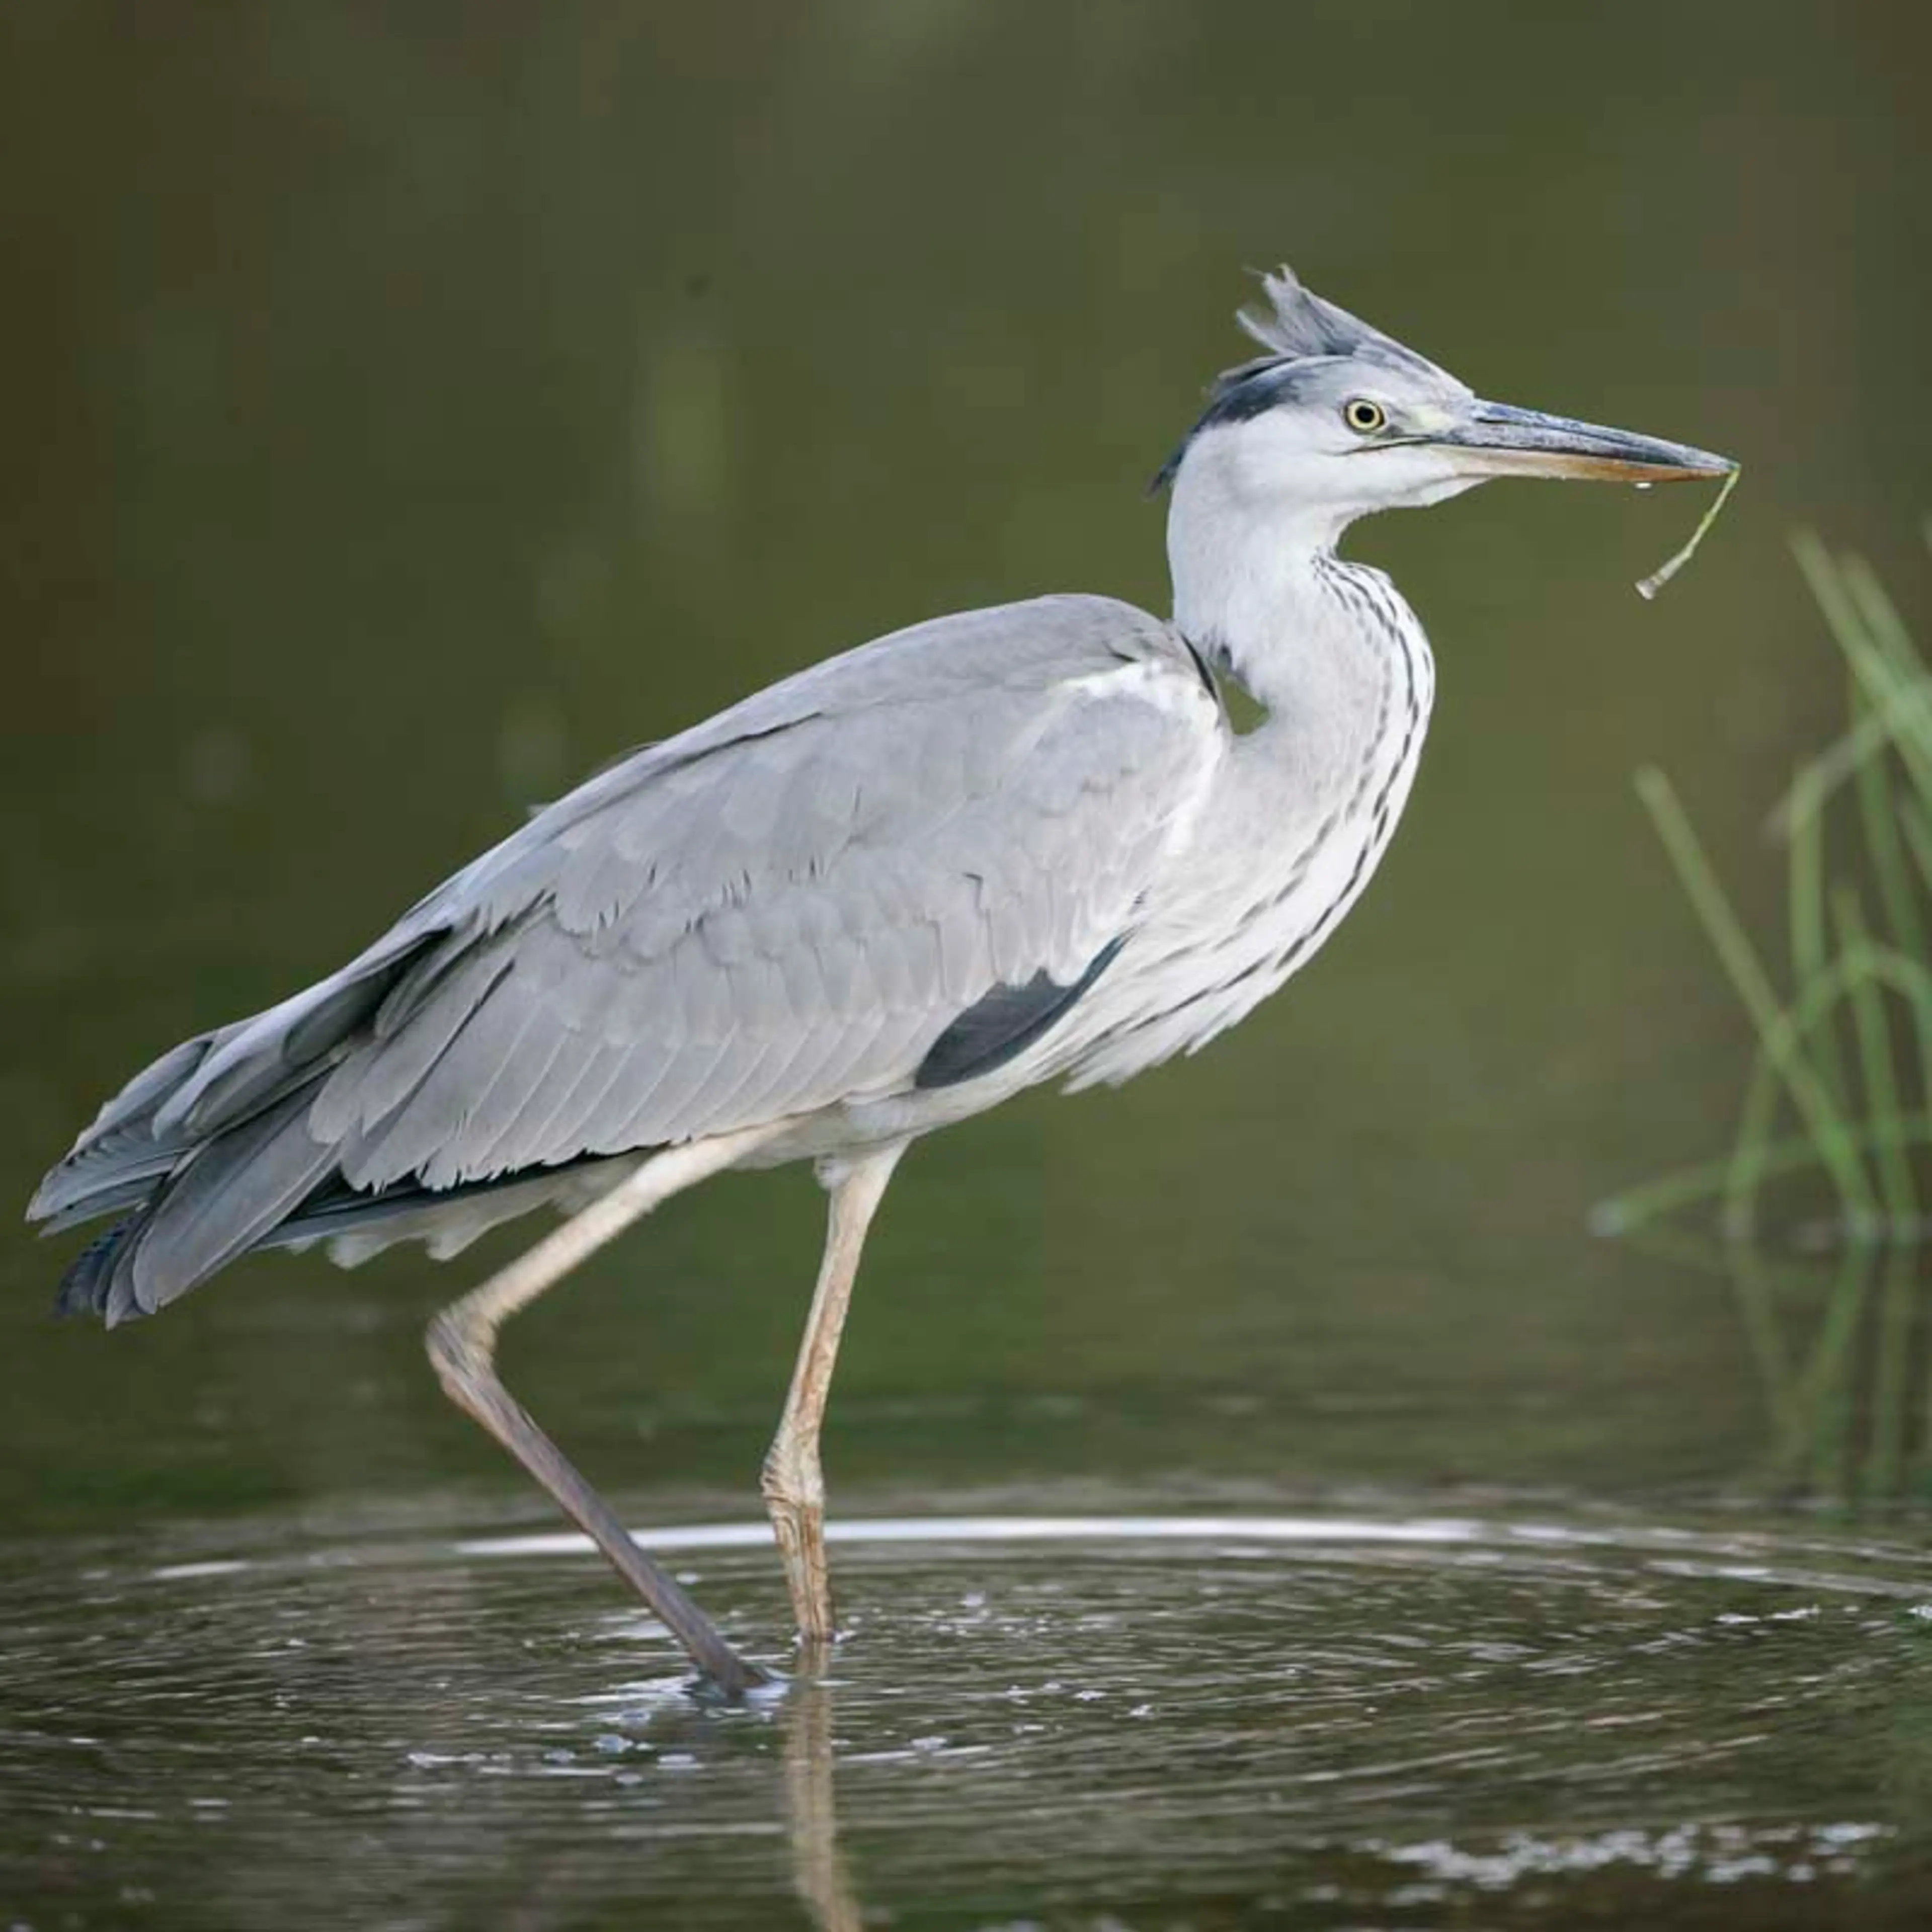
(220, 1081)
(271, 1182)
(83, 1288)
(121, 1149)
(220, 1200)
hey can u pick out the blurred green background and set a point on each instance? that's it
(409, 408)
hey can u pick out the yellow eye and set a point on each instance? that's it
(1364, 417)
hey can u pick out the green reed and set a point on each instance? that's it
(1840, 1081)
(1839, 1089)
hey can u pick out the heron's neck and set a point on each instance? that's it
(1263, 594)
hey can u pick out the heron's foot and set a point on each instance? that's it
(795, 1499)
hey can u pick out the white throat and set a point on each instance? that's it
(1255, 580)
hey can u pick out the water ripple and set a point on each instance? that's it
(1127, 1719)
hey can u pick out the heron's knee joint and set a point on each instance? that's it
(792, 1481)
(459, 1351)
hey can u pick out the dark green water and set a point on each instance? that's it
(1326, 1721)
(407, 412)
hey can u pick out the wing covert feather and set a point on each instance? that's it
(767, 917)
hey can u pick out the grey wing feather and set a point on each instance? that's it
(776, 912)
(203, 1219)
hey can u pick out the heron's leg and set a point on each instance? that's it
(793, 1483)
(462, 1344)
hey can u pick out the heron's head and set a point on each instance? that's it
(1337, 420)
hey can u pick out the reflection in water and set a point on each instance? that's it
(812, 1815)
(1837, 1345)
(1835, 1351)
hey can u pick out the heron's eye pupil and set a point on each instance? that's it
(1364, 417)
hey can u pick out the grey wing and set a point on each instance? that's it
(789, 920)
(778, 912)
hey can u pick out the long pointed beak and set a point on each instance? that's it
(1496, 440)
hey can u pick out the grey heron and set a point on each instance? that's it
(998, 848)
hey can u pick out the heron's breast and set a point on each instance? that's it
(1282, 851)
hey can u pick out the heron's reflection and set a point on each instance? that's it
(818, 1871)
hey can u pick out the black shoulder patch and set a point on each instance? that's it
(1003, 1024)
(1201, 670)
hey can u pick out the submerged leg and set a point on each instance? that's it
(793, 1483)
(462, 1348)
